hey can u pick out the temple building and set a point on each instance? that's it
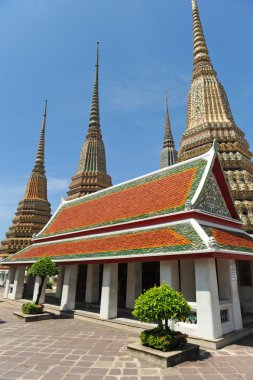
(91, 173)
(169, 153)
(209, 117)
(178, 224)
(34, 210)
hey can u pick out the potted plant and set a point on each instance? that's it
(164, 306)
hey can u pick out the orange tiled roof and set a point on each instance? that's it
(175, 238)
(159, 193)
(232, 240)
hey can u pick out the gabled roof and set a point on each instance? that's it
(175, 190)
(162, 192)
(138, 242)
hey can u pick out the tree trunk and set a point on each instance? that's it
(40, 289)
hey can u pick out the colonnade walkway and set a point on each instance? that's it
(71, 349)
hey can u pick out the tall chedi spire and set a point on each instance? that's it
(169, 153)
(34, 210)
(91, 173)
(209, 117)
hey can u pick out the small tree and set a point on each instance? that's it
(161, 304)
(43, 268)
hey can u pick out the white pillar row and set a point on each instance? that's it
(59, 284)
(236, 307)
(92, 283)
(36, 290)
(169, 274)
(109, 296)
(10, 280)
(18, 284)
(134, 283)
(207, 298)
(68, 297)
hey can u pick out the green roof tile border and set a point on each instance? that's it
(200, 163)
(185, 229)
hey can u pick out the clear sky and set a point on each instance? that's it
(48, 51)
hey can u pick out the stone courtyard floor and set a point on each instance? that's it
(72, 349)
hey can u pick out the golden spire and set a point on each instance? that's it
(200, 50)
(40, 158)
(91, 173)
(94, 114)
(169, 153)
(209, 117)
(33, 211)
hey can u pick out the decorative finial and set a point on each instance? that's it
(194, 4)
(97, 61)
(45, 111)
(212, 243)
(215, 146)
(166, 101)
(188, 205)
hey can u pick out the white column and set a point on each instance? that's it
(208, 308)
(10, 280)
(169, 273)
(18, 284)
(36, 290)
(109, 296)
(68, 298)
(236, 307)
(134, 283)
(59, 284)
(92, 283)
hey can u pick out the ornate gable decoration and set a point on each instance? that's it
(211, 199)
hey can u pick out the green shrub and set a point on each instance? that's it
(43, 268)
(49, 285)
(32, 308)
(163, 340)
(161, 304)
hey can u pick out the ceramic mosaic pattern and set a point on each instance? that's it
(175, 238)
(230, 240)
(211, 199)
(157, 194)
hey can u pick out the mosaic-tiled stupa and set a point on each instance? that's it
(91, 173)
(209, 117)
(34, 210)
(168, 153)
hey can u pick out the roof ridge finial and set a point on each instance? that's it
(40, 158)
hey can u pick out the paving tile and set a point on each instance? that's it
(74, 350)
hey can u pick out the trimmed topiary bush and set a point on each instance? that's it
(32, 308)
(43, 268)
(162, 305)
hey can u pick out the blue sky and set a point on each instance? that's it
(48, 51)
